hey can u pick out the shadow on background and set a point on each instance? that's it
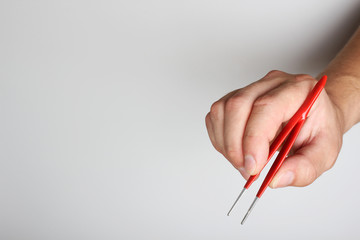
(327, 47)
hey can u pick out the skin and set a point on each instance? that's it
(242, 124)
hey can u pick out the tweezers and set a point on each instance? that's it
(288, 133)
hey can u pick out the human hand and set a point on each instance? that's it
(242, 124)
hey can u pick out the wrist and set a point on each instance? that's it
(344, 92)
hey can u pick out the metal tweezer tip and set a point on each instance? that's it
(237, 199)
(249, 211)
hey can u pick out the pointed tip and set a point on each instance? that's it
(249, 211)
(237, 199)
(244, 219)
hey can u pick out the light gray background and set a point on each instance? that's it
(102, 107)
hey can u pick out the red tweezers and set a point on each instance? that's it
(290, 133)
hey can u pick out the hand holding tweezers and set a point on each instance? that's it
(288, 133)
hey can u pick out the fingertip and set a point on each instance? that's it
(244, 173)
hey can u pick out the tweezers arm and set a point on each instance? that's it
(281, 157)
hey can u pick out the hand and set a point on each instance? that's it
(243, 123)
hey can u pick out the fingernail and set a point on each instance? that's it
(244, 173)
(284, 180)
(250, 164)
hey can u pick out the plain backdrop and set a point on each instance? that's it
(102, 107)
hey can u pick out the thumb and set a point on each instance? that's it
(305, 166)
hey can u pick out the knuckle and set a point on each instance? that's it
(274, 73)
(208, 124)
(251, 135)
(236, 102)
(207, 118)
(215, 110)
(264, 101)
(303, 77)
